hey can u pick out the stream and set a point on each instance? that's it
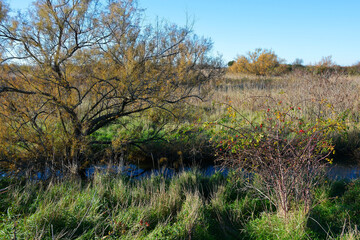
(335, 171)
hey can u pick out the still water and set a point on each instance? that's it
(335, 172)
(341, 171)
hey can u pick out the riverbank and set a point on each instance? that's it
(189, 205)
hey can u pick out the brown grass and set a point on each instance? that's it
(249, 93)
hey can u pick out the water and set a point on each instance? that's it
(335, 172)
(339, 171)
(136, 172)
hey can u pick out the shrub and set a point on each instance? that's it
(284, 149)
(260, 62)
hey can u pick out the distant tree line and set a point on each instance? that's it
(264, 62)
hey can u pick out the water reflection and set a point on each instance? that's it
(339, 171)
(134, 171)
(335, 172)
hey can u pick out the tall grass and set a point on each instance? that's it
(298, 87)
(321, 95)
(187, 206)
(110, 206)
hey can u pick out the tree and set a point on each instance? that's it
(72, 67)
(230, 63)
(298, 62)
(3, 11)
(326, 62)
(260, 62)
(325, 67)
(3, 14)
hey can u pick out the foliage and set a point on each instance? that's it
(286, 150)
(153, 141)
(78, 66)
(260, 62)
(230, 63)
(188, 205)
(354, 69)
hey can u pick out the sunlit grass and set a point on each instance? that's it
(188, 205)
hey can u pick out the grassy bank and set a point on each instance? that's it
(187, 206)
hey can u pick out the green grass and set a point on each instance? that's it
(189, 205)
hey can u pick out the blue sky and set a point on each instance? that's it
(307, 29)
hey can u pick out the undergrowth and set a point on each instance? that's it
(189, 205)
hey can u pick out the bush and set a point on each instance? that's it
(260, 62)
(285, 150)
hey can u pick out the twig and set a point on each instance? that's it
(4, 190)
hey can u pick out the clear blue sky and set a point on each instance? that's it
(307, 29)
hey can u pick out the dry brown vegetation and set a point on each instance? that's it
(252, 93)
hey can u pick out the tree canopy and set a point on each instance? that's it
(71, 67)
(259, 62)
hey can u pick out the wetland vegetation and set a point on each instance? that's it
(84, 85)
